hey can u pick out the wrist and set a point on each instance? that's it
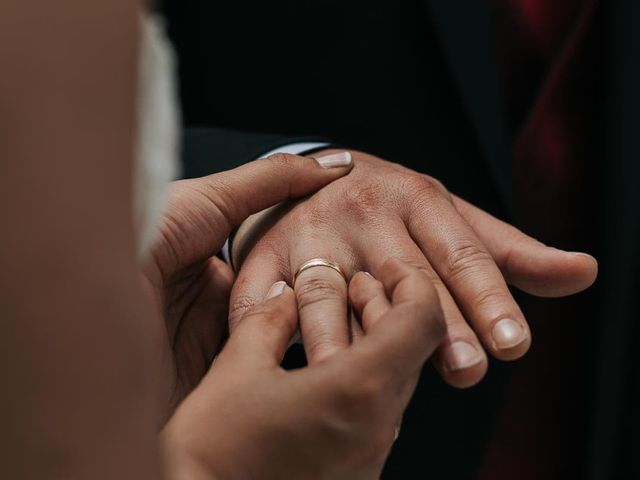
(247, 234)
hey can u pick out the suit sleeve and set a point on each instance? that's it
(208, 150)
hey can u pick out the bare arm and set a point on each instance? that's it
(73, 365)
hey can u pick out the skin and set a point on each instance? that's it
(335, 419)
(388, 211)
(74, 360)
(96, 352)
(187, 284)
(248, 417)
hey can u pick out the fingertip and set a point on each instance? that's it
(302, 175)
(394, 265)
(553, 272)
(276, 290)
(461, 364)
(281, 297)
(406, 283)
(359, 281)
(510, 339)
(392, 272)
(590, 268)
(368, 298)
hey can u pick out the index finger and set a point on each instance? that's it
(406, 335)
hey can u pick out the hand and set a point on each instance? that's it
(384, 210)
(189, 286)
(336, 419)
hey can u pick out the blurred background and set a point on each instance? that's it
(528, 109)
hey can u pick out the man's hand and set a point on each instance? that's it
(383, 210)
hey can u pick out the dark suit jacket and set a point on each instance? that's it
(415, 82)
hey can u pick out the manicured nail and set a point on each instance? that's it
(276, 290)
(508, 333)
(461, 355)
(342, 159)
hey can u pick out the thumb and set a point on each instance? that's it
(527, 263)
(203, 211)
(248, 189)
(263, 335)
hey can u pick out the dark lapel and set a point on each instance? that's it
(616, 361)
(465, 33)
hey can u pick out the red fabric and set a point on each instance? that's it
(549, 149)
(545, 48)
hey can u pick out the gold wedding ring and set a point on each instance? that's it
(318, 262)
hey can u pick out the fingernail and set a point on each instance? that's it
(276, 290)
(369, 275)
(335, 160)
(585, 255)
(461, 355)
(508, 333)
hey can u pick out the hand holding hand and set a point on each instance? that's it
(190, 287)
(336, 419)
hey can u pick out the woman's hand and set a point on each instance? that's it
(336, 419)
(189, 286)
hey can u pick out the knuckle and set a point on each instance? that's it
(490, 296)
(465, 258)
(259, 313)
(439, 186)
(283, 160)
(416, 185)
(239, 307)
(311, 216)
(322, 345)
(419, 191)
(242, 303)
(365, 196)
(423, 273)
(222, 202)
(273, 314)
(362, 201)
(314, 291)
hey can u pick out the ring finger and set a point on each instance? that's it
(321, 292)
(460, 359)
